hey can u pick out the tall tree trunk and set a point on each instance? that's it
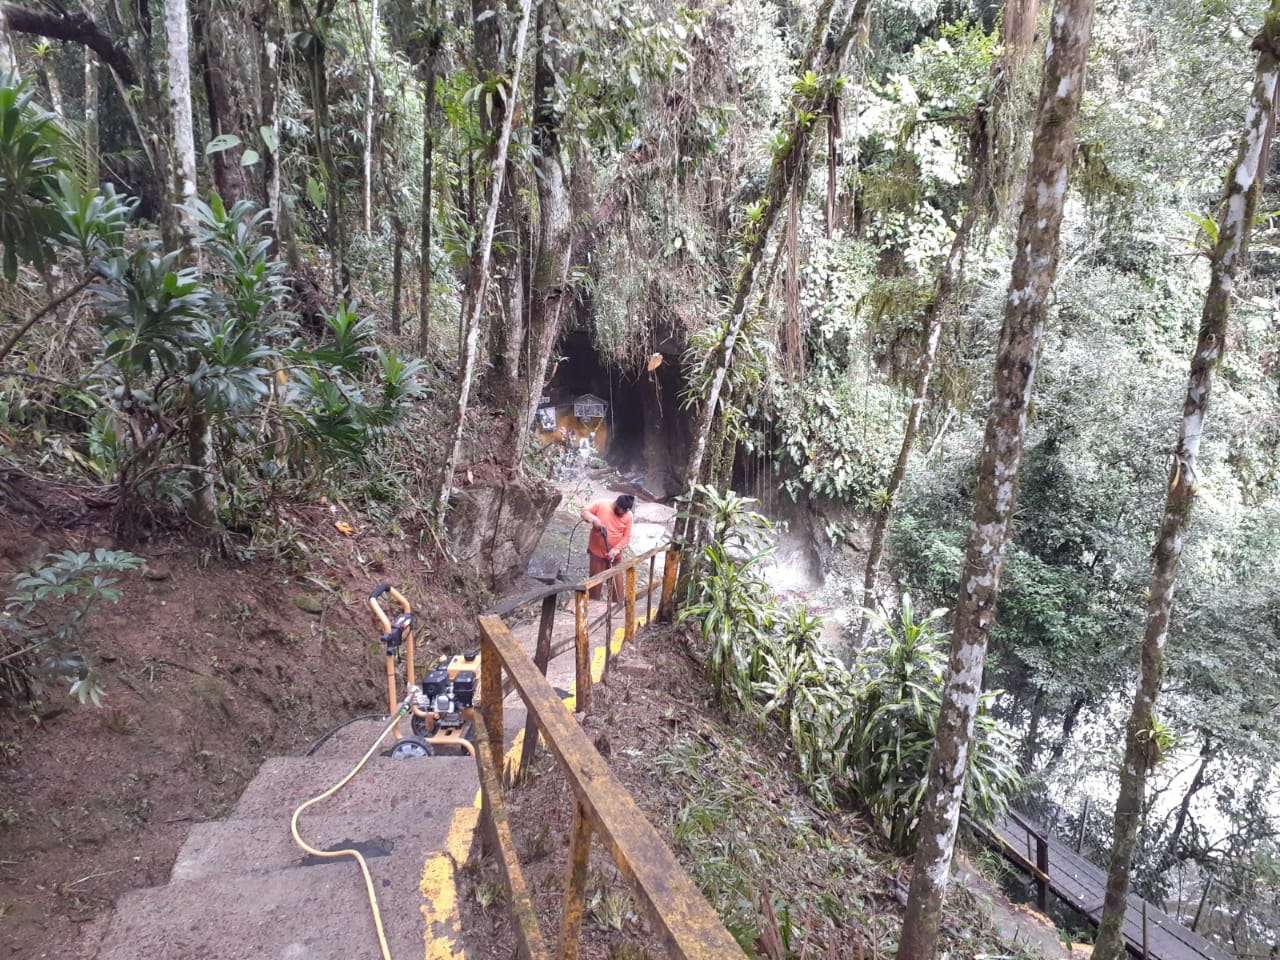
(428, 148)
(486, 249)
(369, 89)
(203, 513)
(8, 56)
(178, 48)
(230, 178)
(50, 73)
(313, 22)
(828, 48)
(268, 16)
(1018, 31)
(91, 159)
(1032, 276)
(1235, 221)
(397, 273)
(550, 280)
(506, 324)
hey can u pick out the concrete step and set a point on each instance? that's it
(247, 846)
(383, 786)
(297, 912)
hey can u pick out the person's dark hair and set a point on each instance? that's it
(624, 502)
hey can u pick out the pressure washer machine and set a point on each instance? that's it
(442, 709)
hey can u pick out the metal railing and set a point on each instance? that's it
(683, 922)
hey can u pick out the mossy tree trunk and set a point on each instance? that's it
(1235, 220)
(471, 340)
(1034, 267)
(1017, 29)
(549, 283)
(825, 57)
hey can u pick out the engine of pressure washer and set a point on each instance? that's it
(450, 688)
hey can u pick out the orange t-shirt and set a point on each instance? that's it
(617, 527)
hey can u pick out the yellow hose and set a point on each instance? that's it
(364, 867)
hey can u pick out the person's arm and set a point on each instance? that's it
(616, 552)
(591, 518)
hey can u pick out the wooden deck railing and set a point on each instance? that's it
(683, 922)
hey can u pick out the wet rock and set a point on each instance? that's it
(156, 571)
(495, 525)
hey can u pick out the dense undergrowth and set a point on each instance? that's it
(861, 732)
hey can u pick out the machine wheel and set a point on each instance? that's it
(419, 725)
(410, 748)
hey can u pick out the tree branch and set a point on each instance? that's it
(77, 28)
(47, 308)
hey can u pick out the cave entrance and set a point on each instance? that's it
(644, 433)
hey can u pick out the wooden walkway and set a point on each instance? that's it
(1148, 931)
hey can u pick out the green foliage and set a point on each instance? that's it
(33, 152)
(890, 734)
(839, 446)
(42, 629)
(870, 728)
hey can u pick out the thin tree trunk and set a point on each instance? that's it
(428, 147)
(178, 49)
(1025, 305)
(368, 117)
(51, 81)
(203, 510)
(91, 159)
(1198, 782)
(1235, 221)
(318, 81)
(8, 56)
(934, 316)
(397, 274)
(268, 116)
(486, 249)
(506, 324)
(230, 178)
(1017, 32)
(550, 280)
(789, 171)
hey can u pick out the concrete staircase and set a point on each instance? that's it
(241, 889)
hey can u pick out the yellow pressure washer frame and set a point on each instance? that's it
(397, 634)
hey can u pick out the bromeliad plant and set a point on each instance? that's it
(866, 730)
(890, 734)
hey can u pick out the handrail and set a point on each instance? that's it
(508, 607)
(685, 922)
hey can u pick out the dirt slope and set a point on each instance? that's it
(211, 666)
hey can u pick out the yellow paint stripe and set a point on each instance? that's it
(439, 889)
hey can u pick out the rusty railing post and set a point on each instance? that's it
(630, 632)
(575, 891)
(648, 594)
(608, 629)
(491, 699)
(670, 567)
(540, 657)
(582, 649)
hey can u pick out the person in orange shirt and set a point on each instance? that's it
(610, 532)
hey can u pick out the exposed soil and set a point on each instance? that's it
(210, 665)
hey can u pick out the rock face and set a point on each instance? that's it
(495, 525)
